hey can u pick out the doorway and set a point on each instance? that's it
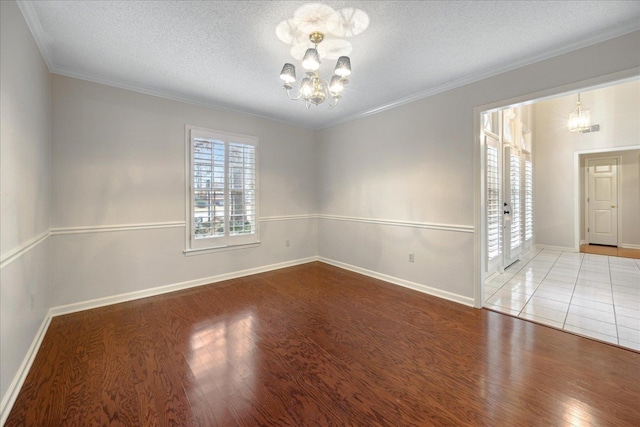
(556, 285)
(607, 210)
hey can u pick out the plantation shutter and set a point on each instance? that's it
(528, 199)
(223, 207)
(494, 248)
(516, 206)
(242, 190)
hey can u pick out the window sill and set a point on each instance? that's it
(193, 252)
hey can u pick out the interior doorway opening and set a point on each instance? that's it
(609, 174)
(545, 213)
(554, 283)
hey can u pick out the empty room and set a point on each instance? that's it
(221, 213)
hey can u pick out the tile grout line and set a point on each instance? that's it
(534, 291)
(545, 276)
(613, 301)
(564, 323)
(612, 305)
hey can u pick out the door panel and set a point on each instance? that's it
(602, 201)
(602, 221)
(602, 190)
(512, 206)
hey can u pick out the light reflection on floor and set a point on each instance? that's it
(222, 357)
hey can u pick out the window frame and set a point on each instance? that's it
(228, 241)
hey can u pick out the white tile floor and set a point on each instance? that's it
(592, 295)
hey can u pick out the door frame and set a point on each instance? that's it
(586, 216)
(479, 167)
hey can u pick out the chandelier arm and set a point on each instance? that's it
(336, 99)
(295, 98)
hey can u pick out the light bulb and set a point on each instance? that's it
(311, 60)
(336, 86)
(306, 88)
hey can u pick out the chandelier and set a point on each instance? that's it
(579, 119)
(313, 88)
(316, 22)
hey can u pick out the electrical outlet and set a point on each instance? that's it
(411, 257)
(286, 243)
(33, 301)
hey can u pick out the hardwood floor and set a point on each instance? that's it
(317, 345)
(610, 251)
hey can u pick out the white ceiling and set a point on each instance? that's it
(226, 54)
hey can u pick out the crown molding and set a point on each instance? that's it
(96, 78)
(33, 22)
(454, 84)
(35, 26)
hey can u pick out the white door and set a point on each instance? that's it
(602, 201)
(512, 202)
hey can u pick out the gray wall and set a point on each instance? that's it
(415, 164)
(119, 159)
(25, 148)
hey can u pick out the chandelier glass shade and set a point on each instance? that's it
(313, 89)
(579, 118)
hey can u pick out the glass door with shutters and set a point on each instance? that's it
(512, 206)
(508, 186)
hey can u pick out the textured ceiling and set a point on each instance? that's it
(226, 53)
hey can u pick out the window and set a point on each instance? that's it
(222, 195)
(490, 122)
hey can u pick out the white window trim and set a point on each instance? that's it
(228, 244)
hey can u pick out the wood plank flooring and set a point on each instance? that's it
(317, 345)
(610, 251)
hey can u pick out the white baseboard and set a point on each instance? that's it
(145, 293)
(556, 248)
(629, 246)
(401, 282)
(14, 388)
(583, 242)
